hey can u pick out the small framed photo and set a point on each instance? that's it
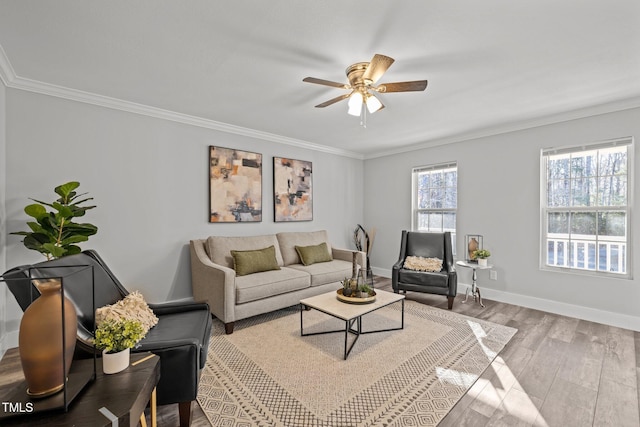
(473, 243)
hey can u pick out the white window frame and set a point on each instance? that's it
(545, 209)
(415, 211)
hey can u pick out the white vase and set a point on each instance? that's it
(482, 262)
(113, 363)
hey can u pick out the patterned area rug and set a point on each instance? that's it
(266, 374)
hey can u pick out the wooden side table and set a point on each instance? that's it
(120, 397)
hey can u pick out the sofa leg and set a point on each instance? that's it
(228, 328)
(184, 409)
(451, 302)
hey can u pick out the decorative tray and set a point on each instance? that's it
(354, 300)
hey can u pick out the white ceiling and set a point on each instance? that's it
(238, 65)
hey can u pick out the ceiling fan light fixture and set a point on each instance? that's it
(373, 103)
(362, 76)
(355, 104)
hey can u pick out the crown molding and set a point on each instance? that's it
(10, 79)
(581, 113)
(159, 113)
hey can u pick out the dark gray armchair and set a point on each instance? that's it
(427, 245)
(180, 338)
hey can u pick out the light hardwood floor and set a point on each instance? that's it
(556, 371)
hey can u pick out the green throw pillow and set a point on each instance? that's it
(312, 254)
(248, 262)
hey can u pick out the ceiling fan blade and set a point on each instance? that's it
(414, 86)
(377, 67)
(333, 101)
(325, 82)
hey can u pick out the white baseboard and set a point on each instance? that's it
(585, 313)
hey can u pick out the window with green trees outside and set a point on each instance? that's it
(585, 207)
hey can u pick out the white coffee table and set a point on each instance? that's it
(328, 303)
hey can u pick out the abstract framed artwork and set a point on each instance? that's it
(235, 185)
(293, 190)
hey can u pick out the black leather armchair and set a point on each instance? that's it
(180, 339)
(427, 245)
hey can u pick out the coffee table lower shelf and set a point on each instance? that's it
(351, 314)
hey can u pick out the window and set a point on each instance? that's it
(435, 198)
(586, 207)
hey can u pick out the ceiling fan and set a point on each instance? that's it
(362, 78)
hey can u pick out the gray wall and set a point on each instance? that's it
(3, 168)
(499, 198)
(149, 179)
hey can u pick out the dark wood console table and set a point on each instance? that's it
(120, 397)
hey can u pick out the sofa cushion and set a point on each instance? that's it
(220, 247)
(248, 262)
(269, 283)
(289, 240)
(326, 272)
(313, 254)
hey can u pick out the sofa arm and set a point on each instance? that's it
(212, 283)
(347, 255)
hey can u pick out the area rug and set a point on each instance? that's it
(266, 374)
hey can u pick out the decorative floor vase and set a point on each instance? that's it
(112, 363)
(40, 340)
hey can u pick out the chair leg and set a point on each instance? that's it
(228, 328)
(184, 409)
(451, 302)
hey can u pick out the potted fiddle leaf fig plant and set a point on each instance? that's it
(54, 233)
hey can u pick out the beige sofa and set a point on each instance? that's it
(232, 297)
